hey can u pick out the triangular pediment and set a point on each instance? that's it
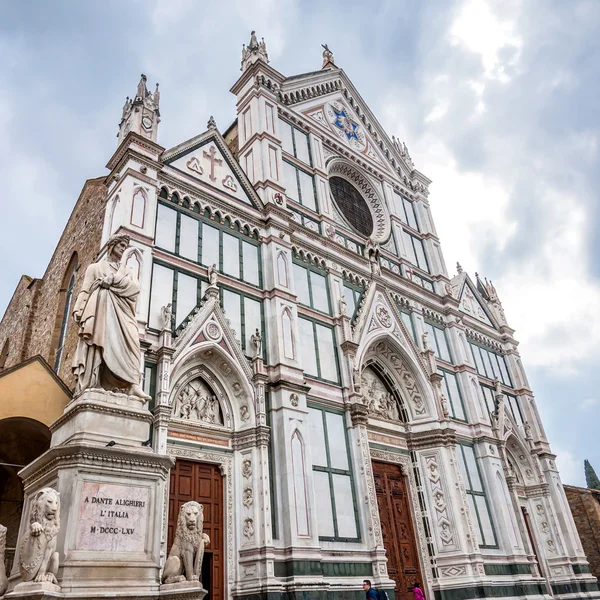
(207, 159)
(377, 314)
(329, 100)
(208, 325)
(335, 115)
(473, 305)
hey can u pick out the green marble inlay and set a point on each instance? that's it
(579, 569)
(311, 595)
(489, 591)
(574, 587)
(291, 568)
(507, 569)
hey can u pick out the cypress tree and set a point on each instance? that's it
(591, 479)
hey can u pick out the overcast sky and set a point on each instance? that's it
(497, 102)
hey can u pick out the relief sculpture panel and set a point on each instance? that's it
(197, 402)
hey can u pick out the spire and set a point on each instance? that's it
(156, 96)
(327, 57)
(141, 113)
(591, 479)
(254, 51)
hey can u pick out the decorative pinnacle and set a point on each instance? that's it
(211, 123)
(459, 269)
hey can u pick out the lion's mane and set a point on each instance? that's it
(38, 513)
(182, 532)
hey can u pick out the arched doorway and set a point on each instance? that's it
(22, 440)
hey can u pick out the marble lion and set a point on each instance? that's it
(38, 559)
(185, 559)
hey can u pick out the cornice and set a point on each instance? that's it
(100, 457)
(124, 147)
(196, 193)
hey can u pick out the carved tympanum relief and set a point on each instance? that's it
(197, 402)
(379, 401)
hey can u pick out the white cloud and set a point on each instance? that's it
(588, 403)
(569, 467)
(480, 30)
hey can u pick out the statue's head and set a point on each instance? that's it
(116, 245)
(46, 507)
(191, 517)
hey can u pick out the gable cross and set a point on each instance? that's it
(213, 161)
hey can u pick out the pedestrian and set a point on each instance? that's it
(369, 591)
(418, 592)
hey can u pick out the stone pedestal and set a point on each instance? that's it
(111, 490)
(191, 589)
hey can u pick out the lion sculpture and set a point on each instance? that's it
(38, 559)
(185, 559)
(3, 579)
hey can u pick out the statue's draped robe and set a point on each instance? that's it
(108, 330)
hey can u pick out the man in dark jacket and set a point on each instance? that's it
(369, 591)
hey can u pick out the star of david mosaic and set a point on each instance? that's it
(346, 124)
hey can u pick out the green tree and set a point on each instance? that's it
(591, 479)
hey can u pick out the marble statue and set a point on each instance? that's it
(256, 341)
(372, 253)
(108, 351)
(166, 312)
(38, 559)
(3, 579)
(185, 559)
(343, 306)
(213, 275)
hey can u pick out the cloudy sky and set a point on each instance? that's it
(495, 101)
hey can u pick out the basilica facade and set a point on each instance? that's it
(343, 406)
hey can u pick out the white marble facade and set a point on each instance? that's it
(369, 349)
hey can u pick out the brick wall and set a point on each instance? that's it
(585, 506)
(34, 315)
(16, 318)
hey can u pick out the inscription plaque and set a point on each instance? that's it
(112, 518)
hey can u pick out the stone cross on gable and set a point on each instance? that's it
(213, 161)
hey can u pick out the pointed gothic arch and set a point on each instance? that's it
(63, 311)
(224, 375)
(137, 218)
(4, 353)
(404, 372)
(297, 446)
(111, 217)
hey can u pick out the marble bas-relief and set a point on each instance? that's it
(38, 559)
(108, 350)
(377, 398)
(112, 518)
(185, 559)
(197, 402)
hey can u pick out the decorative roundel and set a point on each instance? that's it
(147, 122)
(359, 201)
(383, 316)
(344, 124)
(212, 331)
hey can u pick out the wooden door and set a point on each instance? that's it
(204, 484)
(397, 528)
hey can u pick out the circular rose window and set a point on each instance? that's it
(352, 205)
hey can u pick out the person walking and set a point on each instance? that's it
(369, 591)
(418, 592)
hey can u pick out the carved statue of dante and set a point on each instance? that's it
(108, 351)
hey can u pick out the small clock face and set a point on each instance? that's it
(147, 122)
